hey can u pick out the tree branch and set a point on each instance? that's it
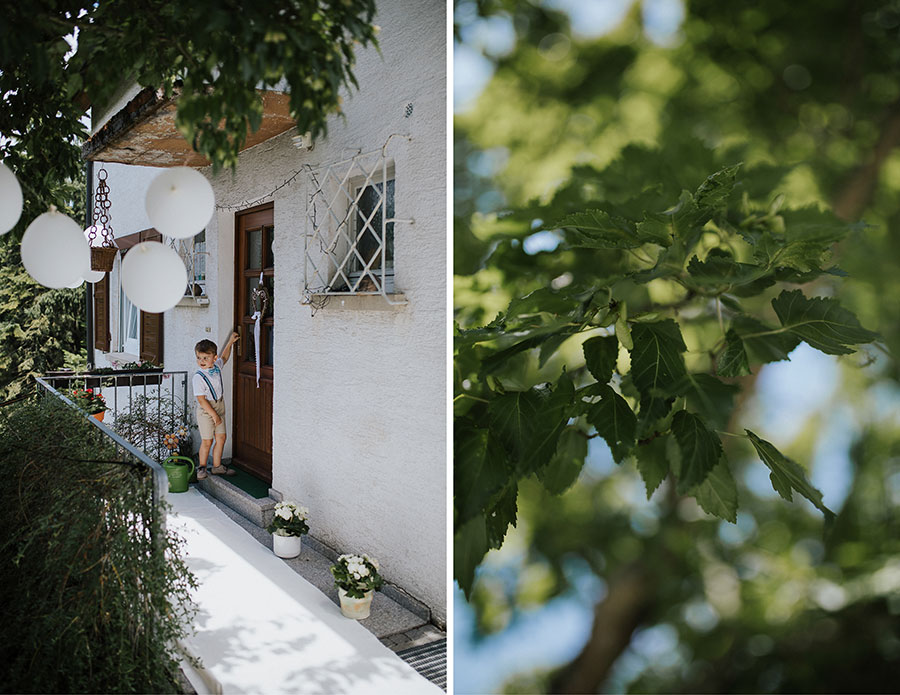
(857, 192)
(629, 598)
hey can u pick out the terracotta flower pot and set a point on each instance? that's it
(356, 608)
(98, 416)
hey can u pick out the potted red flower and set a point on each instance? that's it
(90, 401)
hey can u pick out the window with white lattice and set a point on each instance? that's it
(193, 253)
(350, 228)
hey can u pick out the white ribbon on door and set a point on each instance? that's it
(256, 318)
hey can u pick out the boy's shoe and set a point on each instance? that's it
(223, 470)
(201, 473)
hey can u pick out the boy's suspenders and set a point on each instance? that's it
(208, 383)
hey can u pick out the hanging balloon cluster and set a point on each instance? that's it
(56, 253)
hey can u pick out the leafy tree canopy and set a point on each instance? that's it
(639, 228)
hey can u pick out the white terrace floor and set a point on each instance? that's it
(262, 628)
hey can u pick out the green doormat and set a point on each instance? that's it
(248, 483)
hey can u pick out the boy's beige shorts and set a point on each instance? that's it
(208, 430)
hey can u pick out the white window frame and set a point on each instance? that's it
(128, 344)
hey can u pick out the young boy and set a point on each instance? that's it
(208, 388)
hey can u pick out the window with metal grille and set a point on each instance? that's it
(350, 220)
(193, 253)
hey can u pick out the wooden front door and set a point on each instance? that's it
(252, 424)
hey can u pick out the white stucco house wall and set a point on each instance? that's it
(357, 378)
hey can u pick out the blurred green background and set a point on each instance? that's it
(598, 586)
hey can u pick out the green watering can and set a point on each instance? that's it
(179, 473)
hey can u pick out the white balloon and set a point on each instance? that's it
(153, 276)
(54, 251)
(78, 283)
(10, 199)
(93, 276)
(180, 202)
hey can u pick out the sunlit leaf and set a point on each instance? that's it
(717, 494)
(787, 475)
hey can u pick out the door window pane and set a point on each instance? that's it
(270, 248)
(270, 332)
(254, 249)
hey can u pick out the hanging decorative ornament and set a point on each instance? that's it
(100, 233)
(153, 276)
(54, 251)
(180, 202)
(10, 199)
(260, 298)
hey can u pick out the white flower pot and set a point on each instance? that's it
(356, 608)
(286, 546)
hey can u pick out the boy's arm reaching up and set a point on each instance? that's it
(226, 351)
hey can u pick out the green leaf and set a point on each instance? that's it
(656, 364)
(528, 423)
(821, 322)
(733, 361)
(597, 229)
(614, 421)
(720, 270)
(653, 463)
(623, 330)
(787, 475)
(501, 514)
(714, 192)
(706, 395)
(717, 495)
(763, 343)
(566, 464)
(480, 469)
(682, 221)
(700, 449)
(600, 354)
(470, 545)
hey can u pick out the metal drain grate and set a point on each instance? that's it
(430, 660)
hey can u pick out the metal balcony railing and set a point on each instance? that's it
(144, 406)
(126, 453)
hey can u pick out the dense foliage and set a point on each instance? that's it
(678, 269)
(94, 591)
(56, 59)
(644, 231)
(216, 54)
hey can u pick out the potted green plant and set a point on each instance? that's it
(356, 578)
(90, 401)
(287, 528)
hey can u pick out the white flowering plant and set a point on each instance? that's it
(289, 520)
(356, 574)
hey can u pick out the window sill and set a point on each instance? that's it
(361, 302)
(193, 301)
